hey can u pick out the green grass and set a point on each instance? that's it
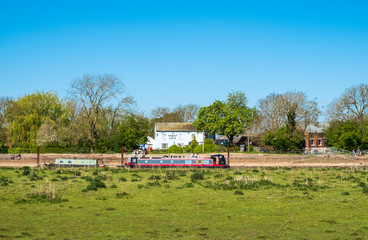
(273, 203)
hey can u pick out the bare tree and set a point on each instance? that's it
(94, 93)
(275, 108)
(181, 113)
(351, 105)
(187, 113)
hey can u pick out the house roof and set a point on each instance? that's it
(174, 127)
(317, 129)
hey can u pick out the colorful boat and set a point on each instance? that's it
(215, 161)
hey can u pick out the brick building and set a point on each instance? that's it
(315, 139)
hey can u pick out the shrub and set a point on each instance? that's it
(198, 149)
(197, 175)
(34, 177)
(188, 149)
(188, 185)
(175, 149)
(170, 175)
(153, 184)
(4, 181)
(122, 195)
(365, 190)
(209, 145)
(154, 178)
(95, 184)
(122, 179)
(26, 171)
(219, 175)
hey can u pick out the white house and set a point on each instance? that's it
(180, 134)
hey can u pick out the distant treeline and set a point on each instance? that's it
(97, 117)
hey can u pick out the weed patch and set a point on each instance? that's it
(44, 194)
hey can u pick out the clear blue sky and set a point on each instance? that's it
(178, 52)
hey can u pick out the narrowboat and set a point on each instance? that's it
(215, 161)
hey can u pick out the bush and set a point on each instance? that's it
(197, 175)
(188, 185)
(26, 171)
(365, 190)
(3, 150)
(175, 149)
(209, 145)
(198, 149)
(238, 192)
(154, 178)
(122, 179)
(187, 149)
(95, 184)
(4, 181)
(122, 195)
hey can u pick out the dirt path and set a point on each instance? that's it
(236, 160)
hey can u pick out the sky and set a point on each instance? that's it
(170, 53)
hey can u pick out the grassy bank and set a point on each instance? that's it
(280, 203)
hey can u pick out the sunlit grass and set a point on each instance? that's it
(272, 203)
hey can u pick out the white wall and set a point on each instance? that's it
(177, 138)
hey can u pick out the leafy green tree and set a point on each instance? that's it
(230, 117)
(27, 114)
(131, 133)
(193, 144)
(5, 103)
(347, 135)
(283, 139)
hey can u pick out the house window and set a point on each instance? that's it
(180, 136)
(319, 142)
(312, 142)
(164, 145)
(164, 136)
(193, 136)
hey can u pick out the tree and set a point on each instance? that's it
(131, 133)
(94, 93)
(274, 109)
(5, 103)
(28, 113)
(288, 137)
(351, 105)
(181, 113)
(230, 117)
(347, 135)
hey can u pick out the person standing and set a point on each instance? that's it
(358, 152)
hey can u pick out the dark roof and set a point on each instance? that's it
(174, 127)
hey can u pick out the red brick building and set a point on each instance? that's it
(315, 139)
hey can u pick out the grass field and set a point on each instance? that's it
(278, 203)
